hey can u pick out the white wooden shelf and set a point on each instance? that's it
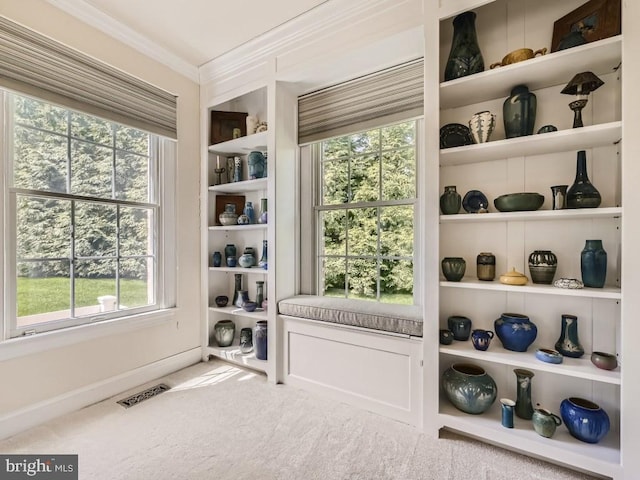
(258, 314)
(571, 367)
(613, 293)
(238, 228)
(242, 145)
(256, 270)
(602, 458)
(560, 141)
(239, 187)
(566, 214)
(233, 354)
(556, 68)
(449, 8)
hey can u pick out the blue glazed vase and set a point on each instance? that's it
(465, 57)
(515, 331)
(469, 388)
(481, 339)
(249, 211)
(568, 344)
(260, 339)
(593, 264)
(585, 420)
(257, 165)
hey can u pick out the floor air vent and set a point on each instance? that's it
(144, 395)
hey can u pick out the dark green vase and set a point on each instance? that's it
(524, 407)
(582, 194)
(519, 112)
(450, 201)
(465, 57)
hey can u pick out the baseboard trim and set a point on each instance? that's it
(38, 413)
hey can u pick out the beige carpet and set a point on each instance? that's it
(220, 422)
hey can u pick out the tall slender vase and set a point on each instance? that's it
(465, 57)
(263, 260)
(568, 344)
(519, 112)
(237, 288)
(524, 407)
(582, 194)
(593, 264)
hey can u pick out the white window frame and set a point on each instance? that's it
(59, 333)
(310, 231)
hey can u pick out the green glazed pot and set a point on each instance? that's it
(469, 388)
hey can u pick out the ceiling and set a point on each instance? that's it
(192, 31)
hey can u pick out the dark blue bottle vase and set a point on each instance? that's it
(260, 339)
(593, 264)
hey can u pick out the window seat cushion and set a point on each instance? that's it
(404, 319)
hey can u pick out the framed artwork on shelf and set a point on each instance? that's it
(594, 20)
(227, 126)
(222, 200)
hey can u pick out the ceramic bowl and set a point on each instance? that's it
(227, 218)
(548, 355)
(519, 202)
(605, 361)
(249, 306)
(221, 301)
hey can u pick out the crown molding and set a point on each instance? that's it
(320, 22)
(96, 18)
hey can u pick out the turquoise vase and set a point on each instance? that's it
(593, 264)
(568, 344)
(465, 57)
(519, 112)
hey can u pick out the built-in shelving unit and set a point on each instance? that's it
(221, 280)
(523, 164)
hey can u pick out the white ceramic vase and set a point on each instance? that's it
(481, 126)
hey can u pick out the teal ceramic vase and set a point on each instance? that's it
(593, 264)
(519, 112)
(224, 331)
(469, 388)
(465, 57)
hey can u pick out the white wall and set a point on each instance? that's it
(28, 380)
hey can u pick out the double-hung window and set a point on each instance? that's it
(83, 216)
(359, 152)
(87, 163)
(365, 211)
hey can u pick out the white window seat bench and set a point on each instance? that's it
(364, 353)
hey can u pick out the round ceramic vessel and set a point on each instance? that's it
(548, 355)
(603, 360)
(249, 306)
(460, 327)
(542, 266)
(515, 331)
(545, 422)
(224, 331)
(584, 419)
(453, 268)
(228, 218)
(519, 202)
(469, 388)
(481, 339)
(221, 301)
(446, 337)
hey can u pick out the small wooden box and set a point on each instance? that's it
(224, 123)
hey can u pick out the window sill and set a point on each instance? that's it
(33, 344)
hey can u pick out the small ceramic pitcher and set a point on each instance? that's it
(545, 422)
(481, 339)
(482, 125)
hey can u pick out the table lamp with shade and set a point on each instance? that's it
(581, 85)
